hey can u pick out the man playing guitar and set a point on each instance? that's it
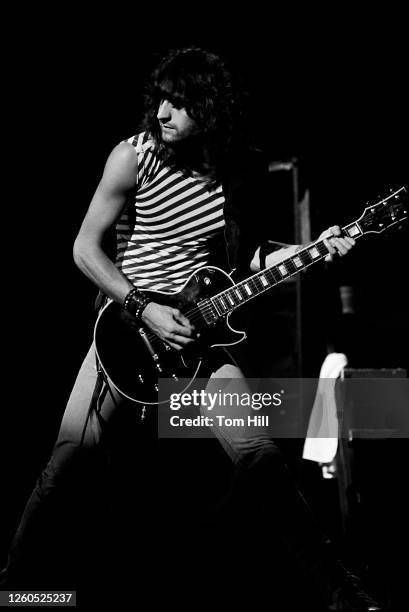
(182, 194)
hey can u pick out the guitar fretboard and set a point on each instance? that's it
(233, 297)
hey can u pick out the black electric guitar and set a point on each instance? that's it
(134, 358)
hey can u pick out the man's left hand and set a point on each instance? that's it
(335, 242)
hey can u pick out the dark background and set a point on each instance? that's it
(326, 88)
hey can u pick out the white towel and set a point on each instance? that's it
(321, 442)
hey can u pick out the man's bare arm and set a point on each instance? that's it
(106, 205)
(272, 259)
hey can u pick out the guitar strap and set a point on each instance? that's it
(97, 398)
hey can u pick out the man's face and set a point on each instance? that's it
(175, 123)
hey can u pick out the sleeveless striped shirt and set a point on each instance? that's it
(171, 227)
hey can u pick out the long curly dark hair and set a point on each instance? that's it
(213, 97)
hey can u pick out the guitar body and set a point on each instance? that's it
(134, 358)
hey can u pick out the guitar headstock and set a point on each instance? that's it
(387, 212)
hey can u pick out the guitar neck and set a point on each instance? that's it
(227, 301)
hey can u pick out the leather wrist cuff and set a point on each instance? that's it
(135, 302)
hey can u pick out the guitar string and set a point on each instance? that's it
(197, 313)
(320, 246)
(255, 280)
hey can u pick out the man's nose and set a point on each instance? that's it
(164, 110)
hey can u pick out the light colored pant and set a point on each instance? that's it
(240, 443)
(73, 436)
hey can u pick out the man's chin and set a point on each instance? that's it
(167, 138)
(169, 135)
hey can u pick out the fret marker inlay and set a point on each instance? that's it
(353, 231)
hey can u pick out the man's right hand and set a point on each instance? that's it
(169, 324)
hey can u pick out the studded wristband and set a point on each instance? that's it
(135, 302)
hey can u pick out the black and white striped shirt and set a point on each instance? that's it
(173, 225)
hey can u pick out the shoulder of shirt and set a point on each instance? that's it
(142, 142)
